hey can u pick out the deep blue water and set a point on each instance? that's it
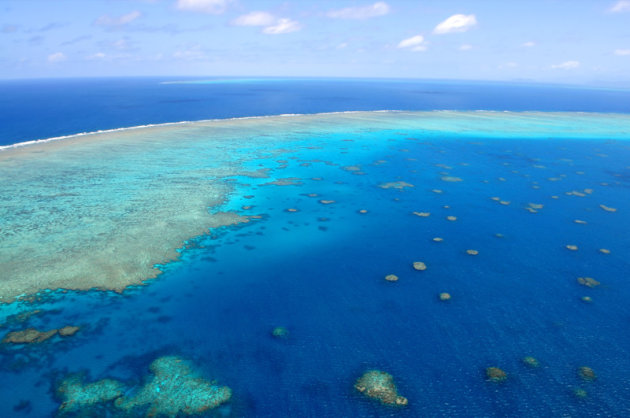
(36, 109)
(319, 272)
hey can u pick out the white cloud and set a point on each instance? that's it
(57, 57)
(510, 64)
(415, 43)
(622, 51)
(567, 65)
(465, 47)
(529, 44)
(621, 6)
(255, 19)
(109, 21)
(97, 56)
(205, 6)
(192, 53)
(377, 9)
(456, 23)
(282, 26)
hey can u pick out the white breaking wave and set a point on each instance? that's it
(102, 131)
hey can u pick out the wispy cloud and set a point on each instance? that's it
(77, 39)
(272, 25)
(567, 65)
(204, 6)
(6, 28)
(465, 47)
(111, 22)
(283, 26)
(620, 6)
(377, 9)
(622, 51)
(57, 57)
(51, 26)
(97, 56)
(456, 23)
(415, 43)
(191, 53)
(257, 18)
(528, 44)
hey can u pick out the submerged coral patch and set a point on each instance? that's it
(280, 332)
(608, 208)
(588, 281)
(391, 278)
(495, 374)
(587, 373)
(78, 396)
(419, 265)
(28, 336)
(531, 361)
(175, 388)
(380, 385)
(400, 185)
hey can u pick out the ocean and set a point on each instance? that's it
(255, 252)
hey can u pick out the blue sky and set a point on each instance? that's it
(579, 41)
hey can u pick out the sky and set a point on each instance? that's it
(554, 41)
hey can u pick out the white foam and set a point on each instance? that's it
(154, 125)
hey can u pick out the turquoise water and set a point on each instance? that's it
(319, 271)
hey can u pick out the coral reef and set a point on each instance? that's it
(280, 332)
(395, 185)
(419, 265)
(451, 179)
(587, 373)
(28, 336)
(174, 389)
(78, 395)
(572, 247)
(68, 330)
(289, 181)
(580, 393)
(422, 214)
(472, 252)
(380, 385)
(531, 361)
(444, 296)
(451, 218)
(33, 335)
(391, 278)
(588, 281)
(494, 374)
(607, 208)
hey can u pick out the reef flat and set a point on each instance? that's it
(105, 210)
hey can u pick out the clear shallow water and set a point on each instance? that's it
(320, 273)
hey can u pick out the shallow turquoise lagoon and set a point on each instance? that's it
(314, 212)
